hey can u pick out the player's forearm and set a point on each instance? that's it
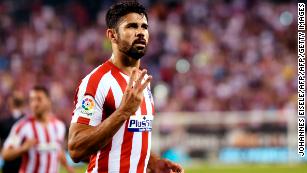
(152, 160)
(12, 153)
(88, 140)
(62, 159)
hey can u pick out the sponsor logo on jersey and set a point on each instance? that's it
(47, 147)
(140, 123)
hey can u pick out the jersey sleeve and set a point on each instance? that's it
(88, 107)
(16, 136)
(61, 131)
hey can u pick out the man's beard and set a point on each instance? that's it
(133, 51)
(39, 113)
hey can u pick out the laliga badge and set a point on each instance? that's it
(88, 105)
(140, 123)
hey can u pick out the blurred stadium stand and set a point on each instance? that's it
(227, 137)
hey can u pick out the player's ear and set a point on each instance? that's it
(112, 35)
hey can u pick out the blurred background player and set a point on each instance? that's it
(16, 108)
(38, 138)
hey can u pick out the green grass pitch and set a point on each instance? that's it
(242, 168)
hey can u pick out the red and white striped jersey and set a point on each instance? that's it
(97, 97)
(43, 157)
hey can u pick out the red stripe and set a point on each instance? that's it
(108, 109)
(37, 161)
(141, 164)
(94, 80)
(103, 161)
(126, 150)
(92, 163)
(128, 136)
(20, 125)
(153, 109)
(115, 67)
(48, 154)
(108, 105)
(120, 80)
(24, 164)
(83, 120)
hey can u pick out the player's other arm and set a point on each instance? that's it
(14, 147)
(11, 153)
(157, 164)
(64, 162)
(85, 140)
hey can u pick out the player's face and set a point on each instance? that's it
(133, 35)
(39, 102)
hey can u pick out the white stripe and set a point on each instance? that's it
(61, 131)
(53, 138)
(104, 87)
(101, 93)
(42, 140)
(148, 152)
(117, 140)
(81, 92)
(149, 112)
(147, 101)
(32, 156)
(136, 148)
(31, 161)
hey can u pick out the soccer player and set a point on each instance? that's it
(38, 139)
(112, 121)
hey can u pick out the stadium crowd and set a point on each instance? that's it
(204, 55)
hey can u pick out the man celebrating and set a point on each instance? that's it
(112, 121)
(38, 139)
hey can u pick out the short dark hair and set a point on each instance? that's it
(16, 99)
(42, 89)
(120, 9)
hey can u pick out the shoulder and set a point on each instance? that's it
(90, 83)
(22, 123)
(57, 121)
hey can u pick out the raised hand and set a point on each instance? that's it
(133, 94)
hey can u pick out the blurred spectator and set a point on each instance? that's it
(204, 55)
(16, 105)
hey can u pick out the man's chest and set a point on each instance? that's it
(142, 119)
(47, 138)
